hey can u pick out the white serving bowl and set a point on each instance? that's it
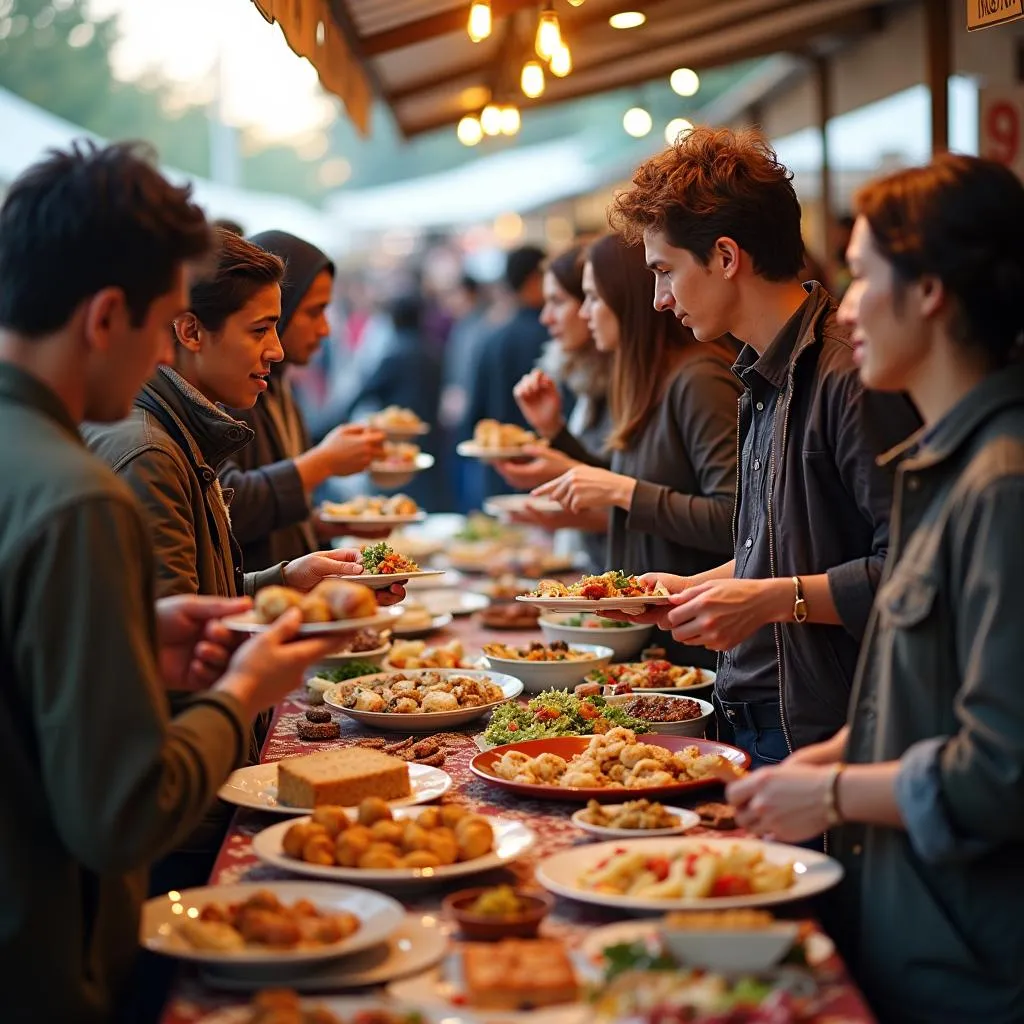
(691, 727)
(552, 675)
(754, 949)
(390, 479)
(626, 641)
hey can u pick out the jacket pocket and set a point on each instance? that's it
(906, 600)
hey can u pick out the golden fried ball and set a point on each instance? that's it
(373, 809)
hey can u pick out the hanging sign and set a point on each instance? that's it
(983, 13)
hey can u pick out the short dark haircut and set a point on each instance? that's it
(406, 312)
(567, 269)
(717, 183)
(521, 263)
(240, 270)
(469, 284)
(90, 218)
(229, 225)
(960, 219)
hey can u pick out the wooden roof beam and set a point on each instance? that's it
(413, 32)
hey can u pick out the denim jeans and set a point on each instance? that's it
(765, 746)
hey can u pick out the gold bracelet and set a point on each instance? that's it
(799, 604)
(833, 815)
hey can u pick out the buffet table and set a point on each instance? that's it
(190, 1000)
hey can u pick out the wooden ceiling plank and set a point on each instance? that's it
(434, 25)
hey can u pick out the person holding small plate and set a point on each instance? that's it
(924, 788)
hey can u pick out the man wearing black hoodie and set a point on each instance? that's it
(273, 476)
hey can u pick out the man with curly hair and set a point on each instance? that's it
(720, 222)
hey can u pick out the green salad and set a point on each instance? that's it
(557, 713)
(350, 670)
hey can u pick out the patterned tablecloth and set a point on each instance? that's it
(190, 1000)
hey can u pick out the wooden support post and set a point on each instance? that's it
(940, 67)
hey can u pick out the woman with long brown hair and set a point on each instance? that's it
(668, 497)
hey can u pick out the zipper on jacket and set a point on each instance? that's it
(771, 553)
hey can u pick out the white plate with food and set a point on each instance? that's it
(669, 714)
(255, 787)
(451, 578)
(412, 654)
(634, 819)
(452, 602)
(267, 922)
(655, 676)
(370, 520)
(248, 623)
(503, 979)
(501, 506)
(419, 942)
(431, 625)
(541, 668)
(471, 450)
(278, 1005)
(368, 695)
(383, 580)
(629, 605)
(470, 845)
(392, 472)
(626, 639)
(688, 874)
(397, 421)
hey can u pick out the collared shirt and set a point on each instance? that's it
(97, 782)
(750, 671)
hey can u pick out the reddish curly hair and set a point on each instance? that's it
(714, 183)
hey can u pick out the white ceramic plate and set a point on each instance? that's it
(344, 1007)
(371, 520)
(451, 578)
(437, 721)
(501, 506)
(689, 727)
(558, 675)
(418, 943)
(381, 581)
(246, 623)
(452, 602)
(442, 989)
(412, 632)
(256, 787)
(635, 605)
(379, 917)
(687, 820)
(815, 873)
(469, 450)
(511, 840)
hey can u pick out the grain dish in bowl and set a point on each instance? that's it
(626, 639)
(543, 667)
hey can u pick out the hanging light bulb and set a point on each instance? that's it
(532, 79)
(684, 81)
(676, 127)
(510, 120)
(479, 26)
(575, 3)
(490, 119)
(469, 131)
(637, 122)
(561, 61)
(549, 35)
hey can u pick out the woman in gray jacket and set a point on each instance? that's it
(925, 785)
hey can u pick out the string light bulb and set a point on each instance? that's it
(676, 127)
(637, 122)
(575, 3)
(561, 62)
(469, 131)
(684, 82)
(490, 119)
(479, 26)
(549, 35)
(510, 120)
(531, 81)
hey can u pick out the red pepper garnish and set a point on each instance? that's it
(659, 867)
(730, 885)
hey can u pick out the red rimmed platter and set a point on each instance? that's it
(568, 747)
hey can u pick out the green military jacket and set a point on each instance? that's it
(168, 451)
(97, 782)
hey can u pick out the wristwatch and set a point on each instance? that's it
(799, 604)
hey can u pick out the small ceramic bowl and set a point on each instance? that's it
(487, 928)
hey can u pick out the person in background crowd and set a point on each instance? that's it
(406, 374)
(925, 787)
(468, 307)
(226, 224)
(505, 356)
(273, 476)
(570, 358)
(840, 242)
(98, 782)
(667, 499)
(720, 222)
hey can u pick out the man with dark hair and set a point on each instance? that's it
(273, 476)
(98, 782)
(720, 221)
(504, 357)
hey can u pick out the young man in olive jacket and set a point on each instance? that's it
(98, 782)
(274, 474)
(720, 222)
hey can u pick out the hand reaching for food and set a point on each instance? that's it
(540, 402)
(584, 488)
(545, 464)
